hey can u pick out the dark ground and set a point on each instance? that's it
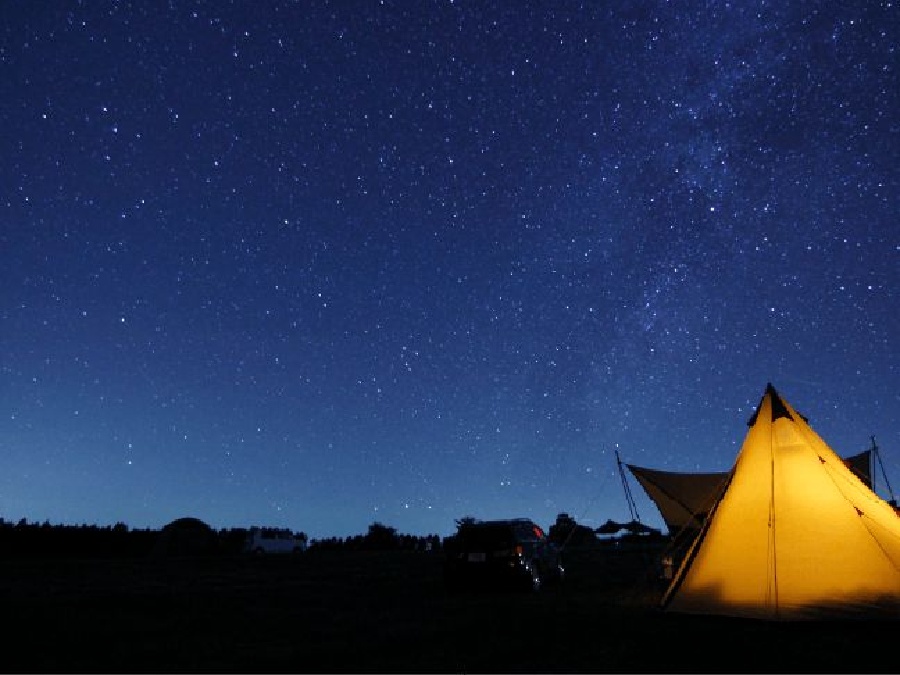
(374, 612)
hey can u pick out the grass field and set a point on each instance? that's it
(374, 612)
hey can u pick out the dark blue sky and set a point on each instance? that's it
(321, 264)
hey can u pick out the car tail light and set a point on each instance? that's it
(519, 550)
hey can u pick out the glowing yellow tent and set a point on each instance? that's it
(794, 535)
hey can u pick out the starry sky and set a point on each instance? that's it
(323, 264)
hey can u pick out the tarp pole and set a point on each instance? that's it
(632, 508)
(892, 501)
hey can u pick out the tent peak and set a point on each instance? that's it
(779, 409)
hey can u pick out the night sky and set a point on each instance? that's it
(324, 264)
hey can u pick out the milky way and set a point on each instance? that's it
(319, 265)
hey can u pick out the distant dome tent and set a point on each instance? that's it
(794, 534)
(186, 537)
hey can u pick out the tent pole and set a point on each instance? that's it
(632, 508)
(892, 501)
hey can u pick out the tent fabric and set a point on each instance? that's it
(795, 534)
(861, 465)
(683, 499)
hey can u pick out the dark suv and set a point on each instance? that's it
(513, 553)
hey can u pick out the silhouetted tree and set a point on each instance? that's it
(465, 520)
(381, 537)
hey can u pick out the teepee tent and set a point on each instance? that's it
(795, 534)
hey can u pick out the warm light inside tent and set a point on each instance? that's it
(795, 533)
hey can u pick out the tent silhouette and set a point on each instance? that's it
(794, 534)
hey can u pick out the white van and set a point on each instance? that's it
(274, 540)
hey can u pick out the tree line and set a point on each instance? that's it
(189, 536)
(23, 539)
